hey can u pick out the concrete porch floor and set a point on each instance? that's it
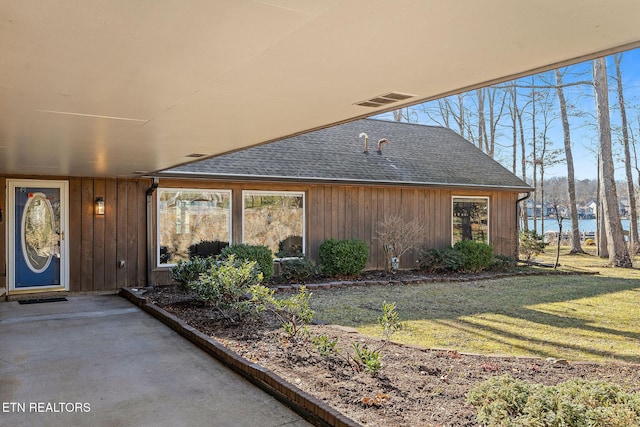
(101, 361)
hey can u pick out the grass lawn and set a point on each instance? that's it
(579, 317)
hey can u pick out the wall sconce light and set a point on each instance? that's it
(100, 208)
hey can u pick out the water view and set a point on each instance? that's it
(585, 225)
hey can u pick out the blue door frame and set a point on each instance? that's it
(37, 222)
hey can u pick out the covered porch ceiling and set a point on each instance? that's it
(128, 87)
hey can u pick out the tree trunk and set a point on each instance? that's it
(634, 241)
(616, 246)
(571, 180)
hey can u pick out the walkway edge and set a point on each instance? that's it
(306, 405)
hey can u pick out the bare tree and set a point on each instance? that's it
(634, 241)
(571, 180)
(616, 246)
(399, 237)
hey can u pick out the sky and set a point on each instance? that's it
(583, 129)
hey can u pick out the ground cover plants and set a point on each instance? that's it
(566, 327)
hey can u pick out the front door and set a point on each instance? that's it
(37, 224)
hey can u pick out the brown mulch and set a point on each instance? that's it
(416, 387)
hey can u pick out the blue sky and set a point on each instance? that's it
(583, 129)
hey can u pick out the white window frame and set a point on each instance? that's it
(280, 193)
(201, 190)
(488, 199)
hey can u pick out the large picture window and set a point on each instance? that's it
(192, 223)
(275, 220)
(470, 219)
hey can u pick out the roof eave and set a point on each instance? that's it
(311, 180)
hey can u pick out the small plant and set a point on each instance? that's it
(294, 312)
(324, 345)
(368, 360)
(298, 269)
(226, 285)
(185, 272)
(530, 244)
(477, 255)
(260, 254)
(389, 321)
(343, 257)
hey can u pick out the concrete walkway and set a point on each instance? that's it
(101, 361)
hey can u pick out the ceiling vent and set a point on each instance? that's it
(386, 99)
(196, 155)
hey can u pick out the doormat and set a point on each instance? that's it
(42, 300)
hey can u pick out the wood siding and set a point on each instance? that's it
(98, 243)
(350, 211)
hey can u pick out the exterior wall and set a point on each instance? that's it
(349, 211)
(98, 243)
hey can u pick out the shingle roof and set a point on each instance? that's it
(415, 155)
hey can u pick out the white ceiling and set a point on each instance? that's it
(110, 88)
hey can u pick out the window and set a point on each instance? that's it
(192, 223)
(470, 219)
(275, 220)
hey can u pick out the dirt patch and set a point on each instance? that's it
(415, 386)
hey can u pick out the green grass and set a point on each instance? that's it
(579, 317)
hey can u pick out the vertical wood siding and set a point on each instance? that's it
(98, 243)
(349, 211)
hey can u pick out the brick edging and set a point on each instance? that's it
(306, 405)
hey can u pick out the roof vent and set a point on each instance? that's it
(385, 99)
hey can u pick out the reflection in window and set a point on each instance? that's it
(470, 219)
(275, 220)
(192, 223)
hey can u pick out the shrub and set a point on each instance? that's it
(226, 286)
(294, 312)
(207, 248)
(530, 244)
(441, 260)
(290, 247)
(508, 401)
(477, 256)
(325, 346)
(298, 269)
(503, 263)
(260, 254)
(343, 257)
(185, 272)
(369, 360)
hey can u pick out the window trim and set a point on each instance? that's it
(488, 199)
(280, 193)
(182, 189)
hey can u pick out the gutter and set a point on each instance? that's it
(521, 199)
(150, 240)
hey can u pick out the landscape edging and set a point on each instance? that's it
(307, 406)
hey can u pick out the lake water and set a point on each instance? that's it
(583, 224)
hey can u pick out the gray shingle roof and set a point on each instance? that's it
(415, 155)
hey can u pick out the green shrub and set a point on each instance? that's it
(325, 346)
(298, 269)
(503, 263)
(343, 257)
(505, 401)
(530, 244)
(477, 256)
(260, 254)
(369, 360)
(185, 272)
(226, 286)
(294, 312)
(441, 260)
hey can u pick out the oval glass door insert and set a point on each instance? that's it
(38, 233)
